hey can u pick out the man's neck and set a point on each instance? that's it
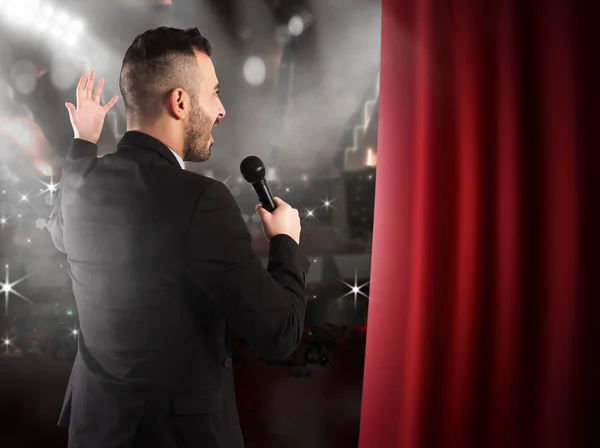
(170, 141)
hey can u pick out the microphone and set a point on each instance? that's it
(253, 170)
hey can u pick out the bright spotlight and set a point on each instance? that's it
(47, 11)
(21, 10)
(14, 11)
(77, 26)
(62, 18)
(70, 39)
(255, 70)
(29, 5)
(41, 24)
(56, 32)
(296, 26)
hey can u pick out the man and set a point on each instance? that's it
(161, 261)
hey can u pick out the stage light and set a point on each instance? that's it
(8, 288)
(255, 70)
(296, 26)
(70, 39)
(62, 18)
(7, 344)
(41, 24)
(59, 24)
(20, 12)
(50, 187)
(328, 203)
(14, 11)
(309, 214)
(77, 26)
(56, 32)
(25, 19)
(48, 11)
(371, 158)
(355, 289)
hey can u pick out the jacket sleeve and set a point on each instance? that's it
(55, 224)
(267, 306)
(78, 150)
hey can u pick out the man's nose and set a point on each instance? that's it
(222, 111)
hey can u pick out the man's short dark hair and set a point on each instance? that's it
(157, 62)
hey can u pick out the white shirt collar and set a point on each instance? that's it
(179, 159)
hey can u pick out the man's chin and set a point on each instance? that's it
(206, 155)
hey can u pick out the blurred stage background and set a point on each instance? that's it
(300, 83)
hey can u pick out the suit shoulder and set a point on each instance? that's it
(200, 182)
(206, 188)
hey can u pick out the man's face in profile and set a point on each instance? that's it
(206, 112)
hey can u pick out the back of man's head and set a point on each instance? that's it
(157, 62)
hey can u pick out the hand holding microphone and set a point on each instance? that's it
(284, 219)
(276, 216)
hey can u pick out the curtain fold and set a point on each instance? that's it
(485, 240)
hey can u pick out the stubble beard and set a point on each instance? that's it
(196, 143)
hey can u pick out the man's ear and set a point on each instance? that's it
(179, 103)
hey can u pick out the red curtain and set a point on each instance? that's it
(485, 248)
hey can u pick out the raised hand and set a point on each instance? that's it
(87, 118)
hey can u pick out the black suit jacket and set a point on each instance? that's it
(161, 264)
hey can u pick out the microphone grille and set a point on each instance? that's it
(252, 169)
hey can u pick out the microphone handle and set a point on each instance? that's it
(264, 194)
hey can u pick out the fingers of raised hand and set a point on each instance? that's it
(80, 92)
(98, 92)
(85, 86)
(111, 103)
(85, 90)
(90, 85)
